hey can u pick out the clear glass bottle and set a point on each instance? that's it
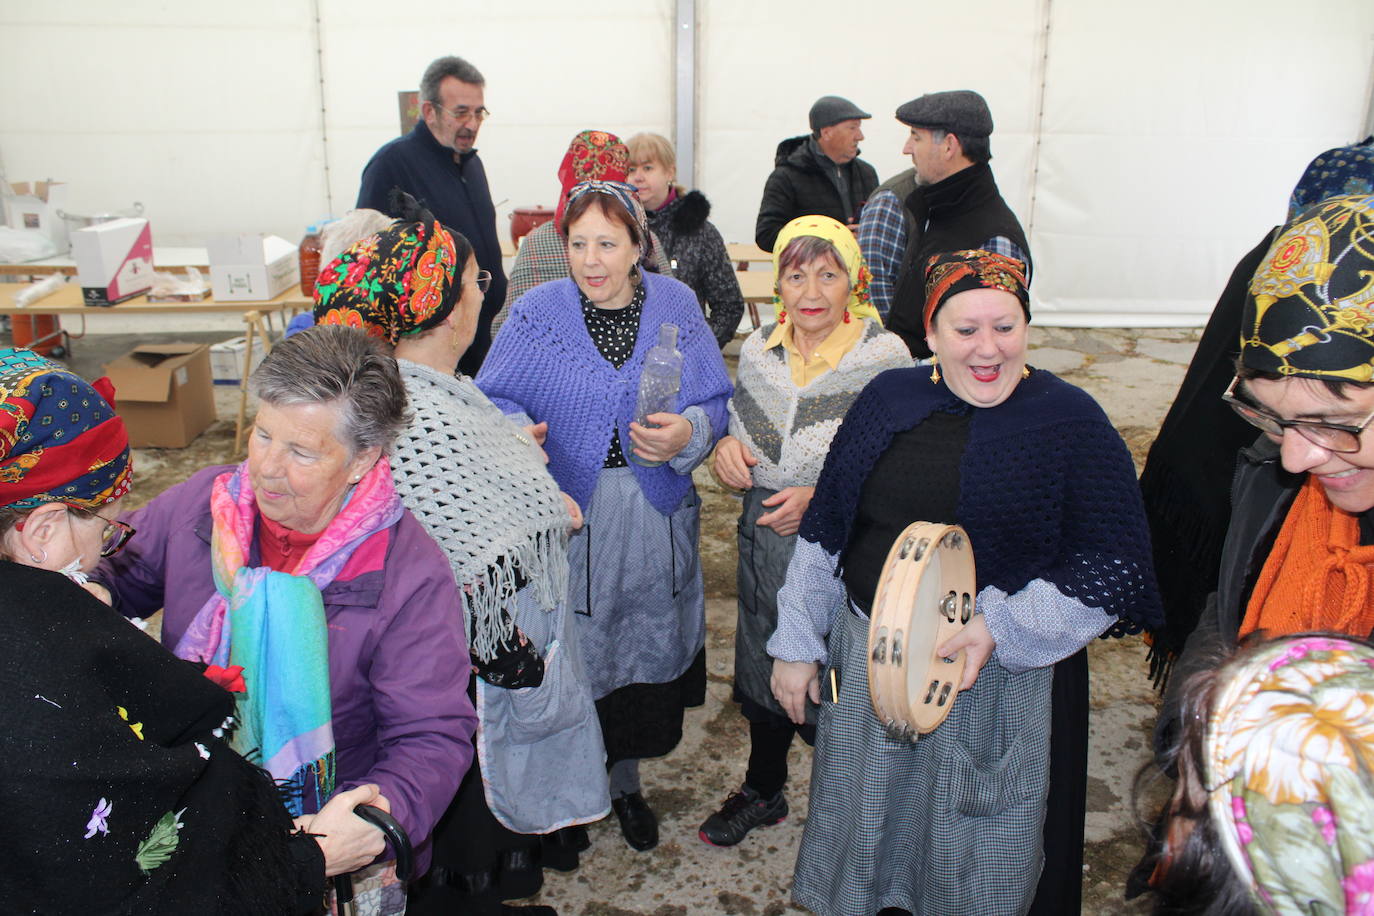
(658, 384)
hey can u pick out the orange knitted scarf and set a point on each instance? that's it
(1317, 577)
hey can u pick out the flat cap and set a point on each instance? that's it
(962, 112)
(831, 109)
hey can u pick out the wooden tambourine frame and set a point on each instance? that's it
(925, 597)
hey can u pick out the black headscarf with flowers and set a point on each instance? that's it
(403, 280)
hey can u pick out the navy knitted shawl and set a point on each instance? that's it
(545, 364)
(1047, 489)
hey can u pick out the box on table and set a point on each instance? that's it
(34, 208)
(252, 267)
(226, 359)
(114, 260)
(164, 394)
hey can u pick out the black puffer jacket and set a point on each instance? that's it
(699, 259)
(801, 186)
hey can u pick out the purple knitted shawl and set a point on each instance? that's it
(545, 364)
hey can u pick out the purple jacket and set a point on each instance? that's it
(398, 656)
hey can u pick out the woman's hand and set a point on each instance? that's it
(538, 432)
(671, 436)
(347, 841)
(99, 591)
(793, 683)
(791, 505)
(977, 642)
(574, 512)
(732, 461)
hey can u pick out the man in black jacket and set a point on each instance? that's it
(818, 174)
(953, 204)
(437, 163)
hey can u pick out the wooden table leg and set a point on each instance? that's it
(255, 330)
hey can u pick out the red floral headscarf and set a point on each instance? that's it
(593, 155)
(403, 280)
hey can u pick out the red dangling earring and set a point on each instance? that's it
(846, 316)
(782, 316)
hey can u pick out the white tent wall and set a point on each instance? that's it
(1146, 147)
(551, 71)
(207, 113)
(1172, 136)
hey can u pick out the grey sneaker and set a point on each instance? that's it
(742, 812)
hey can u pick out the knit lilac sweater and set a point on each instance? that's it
(545, 364)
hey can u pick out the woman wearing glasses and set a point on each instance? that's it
(1300, 549)
(479, 485)
(110, 762)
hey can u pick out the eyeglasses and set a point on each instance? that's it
(113, 536)
(1335, 437)
(483, 280)
(464, 113)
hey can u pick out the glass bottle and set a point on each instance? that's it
(658, 384)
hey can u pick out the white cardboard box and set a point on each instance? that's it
(251, 267)
(226, 360)
(114, 260)
(33, 208)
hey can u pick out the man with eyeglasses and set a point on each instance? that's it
(437, 163)
(1299, 553)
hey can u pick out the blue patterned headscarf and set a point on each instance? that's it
(1337, 172)
(625, 195)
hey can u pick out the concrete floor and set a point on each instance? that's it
(1133, 374)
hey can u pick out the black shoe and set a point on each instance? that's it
(637, 821)
(742, 812)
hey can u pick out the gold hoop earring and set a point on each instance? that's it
(935, 370)
(1025, 371)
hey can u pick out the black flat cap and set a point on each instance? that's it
(962, 112)
(831, 109)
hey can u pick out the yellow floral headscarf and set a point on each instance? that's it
(1289, 751)
(836, 233)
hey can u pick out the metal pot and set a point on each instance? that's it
(524, 220)
(76, 221)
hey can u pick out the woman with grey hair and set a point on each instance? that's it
(302, 568)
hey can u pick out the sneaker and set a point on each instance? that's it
(742, 812)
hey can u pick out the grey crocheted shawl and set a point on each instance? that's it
(482, 490)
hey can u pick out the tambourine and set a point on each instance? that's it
(925, 597)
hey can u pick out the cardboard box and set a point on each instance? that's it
(114, 260)
(252, 267)
(164, 394)
(226, 359)
(34, 208)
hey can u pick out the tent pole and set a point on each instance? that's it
(1036, 138)
(685, 90)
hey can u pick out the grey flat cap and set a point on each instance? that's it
(831, 109)
(962, 112)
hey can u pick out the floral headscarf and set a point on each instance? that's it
(593, 155)
(60, 439)
(955, 272)
(1310, 311)
(1289, 762)
(623, 194)
(860, 303)
(403, 280)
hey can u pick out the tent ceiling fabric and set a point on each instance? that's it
(1156, 142)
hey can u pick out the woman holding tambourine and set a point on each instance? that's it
(955, 821)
